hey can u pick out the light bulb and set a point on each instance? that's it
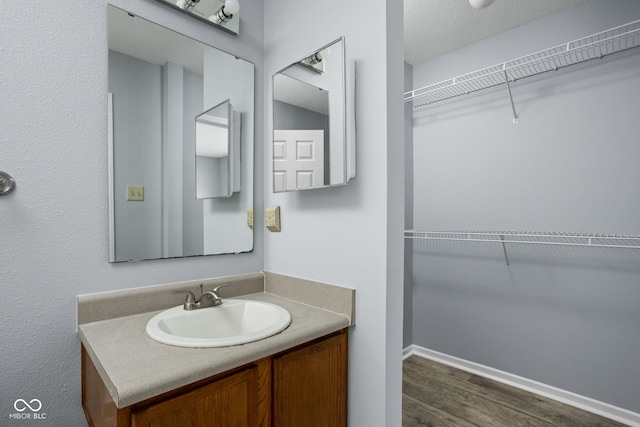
(324, 53)
(226, 12)
(317, 57)
(480, 4)
(231, 7)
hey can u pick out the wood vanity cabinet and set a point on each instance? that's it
(230, 401)
(304, 386)
(310, 385)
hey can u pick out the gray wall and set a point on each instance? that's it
(287, 116)
(138, 158)
(137, 152)
(54, 226)
(351, 235)
(563, 316)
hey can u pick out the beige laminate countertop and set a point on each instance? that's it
(134, 367)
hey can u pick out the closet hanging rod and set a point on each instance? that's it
(597, 45)
(537, 238)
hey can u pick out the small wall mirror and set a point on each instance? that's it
(218, 162)
(221, 14)
(166, 94)
(311, 145)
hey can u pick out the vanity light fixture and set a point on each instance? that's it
(187, 4)
(480, 4)
(225, 12)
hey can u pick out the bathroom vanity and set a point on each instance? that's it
(305, 385)
(296, 377)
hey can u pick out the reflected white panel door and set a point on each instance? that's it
(298, 159)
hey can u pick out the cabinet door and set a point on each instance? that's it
(310, 385)
(228, 402)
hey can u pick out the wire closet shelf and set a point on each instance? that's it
(591, 47)
(529, 238)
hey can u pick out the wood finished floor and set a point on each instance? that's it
(436, 395)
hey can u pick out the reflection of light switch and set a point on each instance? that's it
(250, 217)
(135, 193)
(272, 218)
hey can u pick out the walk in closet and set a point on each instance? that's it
(526, 202)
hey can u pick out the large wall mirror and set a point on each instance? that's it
(312, 146)
(165, 89)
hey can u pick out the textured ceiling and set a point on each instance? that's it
(434, 27)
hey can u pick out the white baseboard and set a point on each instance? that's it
(594, 406)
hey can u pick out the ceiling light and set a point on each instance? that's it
(480, 4)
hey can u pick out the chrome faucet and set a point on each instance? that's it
(207, 298)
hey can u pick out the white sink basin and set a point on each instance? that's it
(231, 323)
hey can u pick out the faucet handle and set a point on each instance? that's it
(217, 288)
(190, 303)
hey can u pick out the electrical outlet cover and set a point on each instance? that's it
(250, 217)
(272, 218)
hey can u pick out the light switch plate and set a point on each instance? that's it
(272, 218)
(135, 193)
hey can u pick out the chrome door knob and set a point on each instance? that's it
(7, 184)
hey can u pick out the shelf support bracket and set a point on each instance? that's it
(513, 108)
(504, 249)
